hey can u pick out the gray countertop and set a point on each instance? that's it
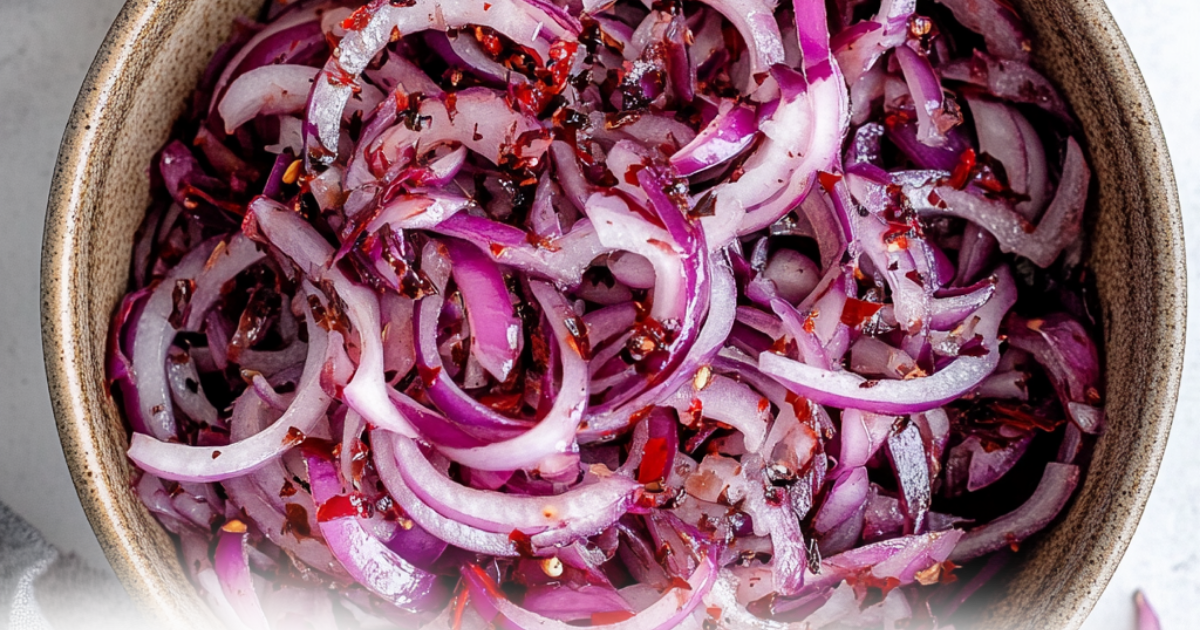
(46, 50)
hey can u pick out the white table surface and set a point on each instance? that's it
(45, 52)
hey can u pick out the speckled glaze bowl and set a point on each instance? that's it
(153, 57)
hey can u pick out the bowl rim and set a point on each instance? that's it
(74, 194)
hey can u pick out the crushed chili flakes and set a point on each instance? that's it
(857, 312)
(961, 175)
(341, 506)
(358, 20)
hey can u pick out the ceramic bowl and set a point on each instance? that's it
(153, 57)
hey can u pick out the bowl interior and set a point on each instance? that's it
(154, 56)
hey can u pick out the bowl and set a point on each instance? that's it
(154, 55)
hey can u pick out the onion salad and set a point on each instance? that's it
(624, 315)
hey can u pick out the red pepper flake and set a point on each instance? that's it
(948, 576)
(631, 175)
(810, 321)
(294, 436)
(961, 175)
(542, 242)
(288, 489)
(828, 180)
(799, 406)
(357, 20)
(606, 618)
(216, 454)
(339, 77)
(763, 405)
(714, 612)
(491, 43)
(654, 461)
(522, 541)
(296, 521)
(867, 580)
(857, 312)
(460, 606)
(578, 340)
(679, 583)
(487, 6)
(358, 460)
(344, 506)
(429, 374)
(489, 584)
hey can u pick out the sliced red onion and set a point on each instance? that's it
(927, 95)
(1063, 347)
(555, 433)
(465, 50)
(419, 212)
(862, 435)
(863, 44)
(947, 311)
(906, 451)
(183, 462)
(716, 328)
(479, 119)
(899, 558)
(151, 339)
(186, 390)
(495, 331)
(753, 19)
(785, 166)
(562, 260)
(368, 561)
(730, 133)
(987, 467)
(997, 125)
(290, 33)
(616, 206)
(1008, 79)
(726, 400)
(278, 529)
(1051, 496)
(461, 535)
(772, 515)
(367, 391)
(232, 564)
(812, 31)
(1147, 618)
(1000, 26)
(266, 91)
(520, 21)
(845, 498)
(674, 606)
(474, 417)
(794, 274)
(585, 509)
(847, 390)
(227, 260)
(1041, 244)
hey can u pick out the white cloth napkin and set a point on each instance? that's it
(24, 557)
(42, 589)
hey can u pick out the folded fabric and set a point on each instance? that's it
(24, 557)
(43, 589)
